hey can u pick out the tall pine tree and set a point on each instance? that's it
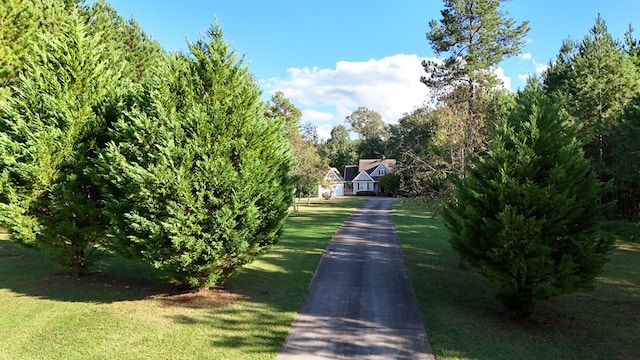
(476, 35)
(596, 79)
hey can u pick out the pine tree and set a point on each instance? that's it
(49, 135)
(526, 214)
(126, 41)
(477, 35)
(596, 79)
(196, 180)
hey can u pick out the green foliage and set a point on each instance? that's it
(390, 182)
(368, 124)
(596, 79)
(310, 167)
(196, 180)
(22, 21)
(365, 193)
(477, 35)
(339, 149)
(50, 133)
(526, 215)
(626, 170)
(134, 51)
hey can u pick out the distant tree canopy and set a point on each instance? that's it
(309, 167)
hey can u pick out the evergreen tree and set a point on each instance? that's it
(22, 21)
(196, 180)
(126, 41)
(627, 169)
(526, 215)
(50, 131)
(477, 35)
(596, 79)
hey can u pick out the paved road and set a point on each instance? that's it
(360, 303)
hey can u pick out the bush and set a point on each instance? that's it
(365, 193)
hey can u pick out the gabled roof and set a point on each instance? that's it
(333, 174)
(373, 171)
(350, 172)
(363, 176)
(367, 164)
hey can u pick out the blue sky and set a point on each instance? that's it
(331, 56)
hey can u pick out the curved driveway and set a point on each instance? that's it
(360, 303)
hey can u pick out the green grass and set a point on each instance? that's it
(123, 310)
(463, 321)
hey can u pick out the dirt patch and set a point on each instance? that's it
(217, 296)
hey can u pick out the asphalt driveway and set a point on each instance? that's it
(360, 303)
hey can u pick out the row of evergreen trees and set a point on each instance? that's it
(106, 141)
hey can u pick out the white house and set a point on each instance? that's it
(365, 176)
(332, 183)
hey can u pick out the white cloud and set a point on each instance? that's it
(540, 68)
(391, 86)
(523, 77)
(506, 80)
(526, 56)
(315, 115)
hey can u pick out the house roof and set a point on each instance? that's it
(350, 172)
(368, 164)
(363, 176)
(333, 174)
(373, 171)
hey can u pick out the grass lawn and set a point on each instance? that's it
(463, 321)
(123, 310)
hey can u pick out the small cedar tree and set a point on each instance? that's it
(526, 214)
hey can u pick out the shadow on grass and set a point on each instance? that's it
(253, 311)
(463, 320)
(34, 273)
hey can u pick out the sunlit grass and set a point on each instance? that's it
(122, 310)
(464, 321)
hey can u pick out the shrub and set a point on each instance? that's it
(365, 193)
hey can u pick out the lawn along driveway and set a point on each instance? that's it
(360, 303)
